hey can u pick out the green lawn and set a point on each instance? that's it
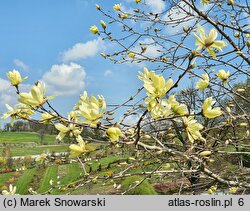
(4, 178)
(22, 137)
(23, 182)
(18, 151)
(50, 173)
(105, 161)
(94, 189)
(73, 172)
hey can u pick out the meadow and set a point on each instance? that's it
(94, 175)
(66, 177)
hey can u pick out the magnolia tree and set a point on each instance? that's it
(187, 124)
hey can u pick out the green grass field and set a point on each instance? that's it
(69, 173)
(30, 137)
(24, 137)
(50, 173)
(73, 172)
(18, 151)
(4, 178)
(23, 181)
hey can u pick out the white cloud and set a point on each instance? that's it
(65, 79)
(20, 64)
(8, 93)
(83, 50)
(157, 6)
(4, 85)
(108, 73)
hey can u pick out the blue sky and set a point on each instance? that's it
(36, 35)
(49, 40)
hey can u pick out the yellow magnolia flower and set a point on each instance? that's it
(103, 24)
(137, 1)
(77, 149)
(16, 112)
(15, 77)
(223, 75)
(158, 108)
(124, 15)
(208, 41)
(94, 29)
(177, 108)
(212, 189)
(113, 133)
(73, 115)
(233, 190)
(117, 7)
(72, 129)
(204, 2)
(203, 83)
(12, 190)
(155, 85)
(63, 130)
(47, 117)
(207, 110)
(41, 157)
(192, 128)
(91, 109)
(36, 97)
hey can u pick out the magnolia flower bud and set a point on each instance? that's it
(98, 7)
(164, 59)
(248, 44)
(185, 29)
(205, 153)
(147, 137)
(240, 90)
(236, 34)
(131, 55)
(243, 124)
(228, 110)
(193, 65)
(103, 24)
(103, 55)
(247, 133)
